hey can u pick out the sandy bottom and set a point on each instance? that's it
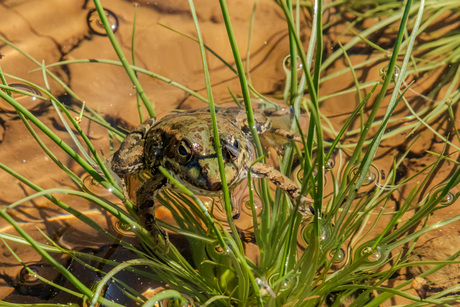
(52, 31)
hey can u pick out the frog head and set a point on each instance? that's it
(185, 147)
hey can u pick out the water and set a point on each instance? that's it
(75, 33)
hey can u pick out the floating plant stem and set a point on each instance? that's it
(348, 122)
(238, 248)
(60, 143)
(221, 59)
(199, 203)
(38, 276)
(87, 292)
(133, 60)
(136, 69)
(123, 60)
(54, 76)
(153, 301)
(215, 130)
(241, 76)
(370, 153)
(394, 98)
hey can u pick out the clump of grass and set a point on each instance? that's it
(220, 274)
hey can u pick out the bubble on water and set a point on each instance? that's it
(95, 23)
(285, 284)
(337, 255)
(337, 258)
(384, 71)
(305, 230)
(298, 173)
(330, 164)
(257, 205)
(448, 199)
(287, 63)
(26, 100)
(223, 251)
(25, 88)
(28, 276)
(373, 254)
(325, 233)
(371, 177)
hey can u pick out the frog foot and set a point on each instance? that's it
(260, 170)
(145, 197)
(288, 135)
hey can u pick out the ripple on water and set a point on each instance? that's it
(121, 228)
(371, 179)
(305, 233)
(448, 199)
(286, 284)
(28, 100)
(28, 283)
(287, 63)
(338, 257)
(95, 187)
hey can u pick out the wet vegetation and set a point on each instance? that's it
(368, 217)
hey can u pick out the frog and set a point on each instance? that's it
(183, 144)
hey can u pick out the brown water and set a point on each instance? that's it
(52, 31)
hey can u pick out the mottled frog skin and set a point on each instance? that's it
(183, 144)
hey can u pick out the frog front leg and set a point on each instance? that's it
(145, 199)
(260, 170)
(130, 158)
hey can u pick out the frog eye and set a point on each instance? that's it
(184, 151)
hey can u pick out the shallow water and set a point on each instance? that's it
(53, 31)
